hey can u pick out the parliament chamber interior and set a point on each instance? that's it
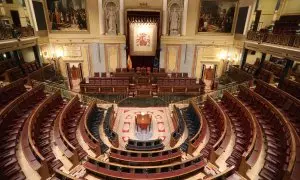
(150, 89)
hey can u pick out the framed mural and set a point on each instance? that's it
(67, 15)
(143, 38)
(217, 16)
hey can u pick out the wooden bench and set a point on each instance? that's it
(279, 138)
(148, 158)
(198, 138)
(72, 151)
(289, 106)
(87, 136)
(181, 170)
(150, 145)
(245, 130)
(12, 119)
(291, 87)
(219, 127)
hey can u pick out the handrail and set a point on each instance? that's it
(85, 119)
(200, 117)
(285, 121)
(195, 140)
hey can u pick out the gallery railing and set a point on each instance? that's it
(280, 39)
(232, 88)
(7, 32)
(50, 88)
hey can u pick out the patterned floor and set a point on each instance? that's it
(161, 124)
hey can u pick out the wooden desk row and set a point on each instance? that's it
(34, 153)
(65, 146)
(245, 129)
(108, 125)
(87, 136)
(12, 119)
(11, 91)
(150, 145)
(239, 75)
(198, 138)
(219, 128)
(144, 158)
(179, 170)
(278, 134)
(291, 87)
(289, 106)
(179, 126)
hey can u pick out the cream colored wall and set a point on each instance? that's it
(23, 12)
(28, 54)
(79, 56)
(291, 7)
(192, 17)
(268, 8)
(252, 58)
(214, 55)
(172, 58)
(151, 4)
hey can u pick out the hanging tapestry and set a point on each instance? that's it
(143, 39)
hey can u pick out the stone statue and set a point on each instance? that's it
(174, 22)
(111, 21)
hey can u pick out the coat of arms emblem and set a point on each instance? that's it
(143, 39)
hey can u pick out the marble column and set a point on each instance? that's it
(184, 17)
(122, 17)
(101, 18)
(165, 17)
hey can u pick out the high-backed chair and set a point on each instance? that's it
(97, 74)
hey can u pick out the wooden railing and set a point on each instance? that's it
(222, 143)
(289, 130)
(146, 158)
(178, 129)
(195, 141)
(88, 137)
(61, 140)
(280, 39)
(178, 170)
(29, 145)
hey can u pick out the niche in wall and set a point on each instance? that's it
(241, 21)
(39, 15)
